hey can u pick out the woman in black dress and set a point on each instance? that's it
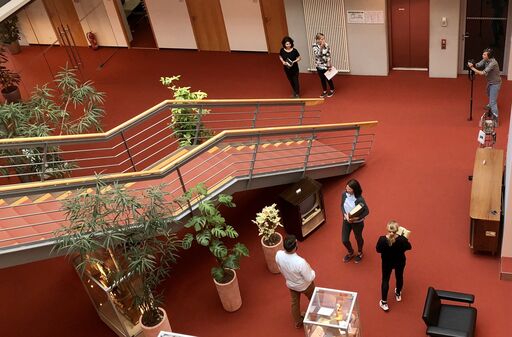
(392, 249)
(290, 58)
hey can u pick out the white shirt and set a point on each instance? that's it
(350, 203)
(295, 269)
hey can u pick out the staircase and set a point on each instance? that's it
(231, 161)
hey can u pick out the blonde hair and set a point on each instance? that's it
(392, 228)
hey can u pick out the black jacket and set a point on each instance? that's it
(395, 254)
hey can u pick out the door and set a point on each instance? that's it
(64, 18)
(274, 22)
(208, 25)
(486, 27)
(409, 33)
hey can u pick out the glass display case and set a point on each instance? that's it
(113, 300)
(332, 313)
(172, 334)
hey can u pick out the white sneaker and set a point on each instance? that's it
(383, 305)
(398, 296)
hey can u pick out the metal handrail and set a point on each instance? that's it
(140, 142)
(67, 183)
(228, 158)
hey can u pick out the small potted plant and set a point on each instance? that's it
(186, 123)
(211, 230)
(267, 221)
(9, 80)
(10, 34)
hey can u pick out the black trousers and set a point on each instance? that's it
(293, 78)
(386, 275)
(357, 227)
(324, 80)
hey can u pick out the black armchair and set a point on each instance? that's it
(446, 319)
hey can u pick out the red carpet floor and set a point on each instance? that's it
(417, 173)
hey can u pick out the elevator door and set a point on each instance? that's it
(409, 33)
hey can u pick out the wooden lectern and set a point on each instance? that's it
(485, 207)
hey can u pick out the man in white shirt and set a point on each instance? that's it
(298, 274)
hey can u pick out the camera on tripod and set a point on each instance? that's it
(471, 72)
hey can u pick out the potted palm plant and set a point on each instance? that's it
(127, 241)
(211, 230)
(186, 123)
(10, 34)
(9, 80)
(267, 221)
(67, 106)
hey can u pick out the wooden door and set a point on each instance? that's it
(274, 21)
(409, 33)
(62, 14)
(208, 25)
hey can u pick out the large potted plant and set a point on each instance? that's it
(186, 123)
(267, 221)
(9, 80)
(68, 106)
(211, 230)
(126, 239)
(10, 34)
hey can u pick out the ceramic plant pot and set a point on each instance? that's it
(270, 254)
(153, 331)
(229, 294)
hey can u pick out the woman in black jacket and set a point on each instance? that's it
(392, 249)
(350, 199)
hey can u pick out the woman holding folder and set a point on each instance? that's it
(354, 210)
(290, 57)
(322, 53)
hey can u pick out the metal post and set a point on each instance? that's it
(129, 153)
(354, 144)
(198, 125)
(308, 152)
(302, 112)
(43, 169)
(253, 160)
(255, 115)
(184, 188)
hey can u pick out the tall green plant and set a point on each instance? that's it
(124, 234)
(211, 230)
(186, 123)
(72, 107)
(8, 78)
(9, 31)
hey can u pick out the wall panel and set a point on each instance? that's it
(35, 24)
(171, 24)
(244, 25)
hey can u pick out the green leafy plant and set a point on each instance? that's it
(72, 107)
(267, 221)
(9, 31)
(186, 123)
(126, 239)
(8, 78)
(211, 230)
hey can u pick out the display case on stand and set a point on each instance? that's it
(332, 313)
(115, 303)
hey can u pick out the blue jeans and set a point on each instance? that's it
(492, 92)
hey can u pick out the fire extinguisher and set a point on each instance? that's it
(92, 40)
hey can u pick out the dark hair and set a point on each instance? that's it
(490, 52)
(290, 242)
(286, 39)
(356, 187)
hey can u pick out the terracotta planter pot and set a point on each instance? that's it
(229, 294)
(153, 331)
(14, 47)
(270, 254)
(11, 94)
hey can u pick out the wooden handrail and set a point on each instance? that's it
(155, 172)
(99, 136)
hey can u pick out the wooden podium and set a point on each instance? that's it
(485, 207)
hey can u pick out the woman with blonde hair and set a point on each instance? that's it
(392, 248)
